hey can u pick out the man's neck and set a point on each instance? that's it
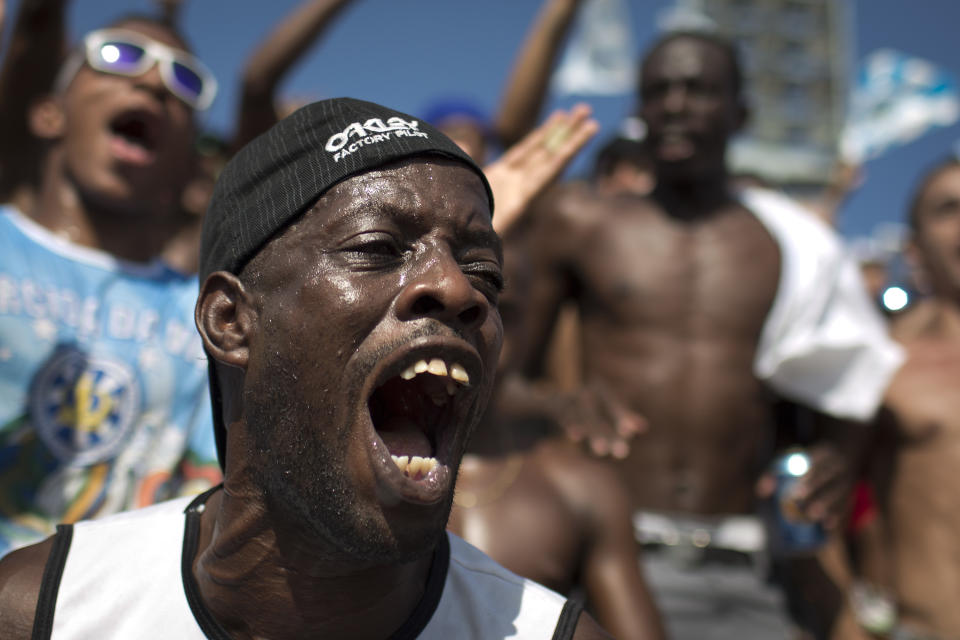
(693, 197)
(258, 584)
(945, 322)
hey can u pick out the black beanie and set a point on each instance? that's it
(278, 176)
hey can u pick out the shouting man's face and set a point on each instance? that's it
(127, 140)
(372, 355)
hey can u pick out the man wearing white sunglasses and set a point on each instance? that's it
(103, 395)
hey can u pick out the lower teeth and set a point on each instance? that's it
(415, 466)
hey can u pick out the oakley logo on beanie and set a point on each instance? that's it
(372, 131)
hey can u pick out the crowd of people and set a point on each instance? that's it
(351, 373)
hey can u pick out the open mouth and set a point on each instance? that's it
(676, 145)
(135, 137)
(413, 411)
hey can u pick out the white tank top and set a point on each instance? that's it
(128, 576)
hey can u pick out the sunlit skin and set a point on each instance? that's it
(541, 507)
(921, 424)
(97, 189)
(316, 532)
(388, 266)
(673, 291)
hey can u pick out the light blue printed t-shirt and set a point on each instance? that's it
(103, 384)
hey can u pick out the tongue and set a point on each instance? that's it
(130, 152)
(404, 438)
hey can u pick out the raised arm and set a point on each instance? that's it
(37, 48)
(272, 60)
(170, 10)
(526, 88)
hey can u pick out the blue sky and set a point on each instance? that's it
(408, 53)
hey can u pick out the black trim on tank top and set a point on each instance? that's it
(410, 629)
(428, 604)
(567, 623)
(50, 583)
(191, 534)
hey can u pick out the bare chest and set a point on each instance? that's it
(713, 277)
(925, 395)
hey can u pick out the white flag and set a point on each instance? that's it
(897, 99)
(600, 59)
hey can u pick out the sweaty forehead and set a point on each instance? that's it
(426, 194)
(421, 195)
(417, 188)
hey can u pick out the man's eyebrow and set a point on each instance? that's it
(486, 238)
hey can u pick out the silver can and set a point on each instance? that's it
(791, 533)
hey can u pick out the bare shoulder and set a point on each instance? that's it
(575, 210)
(589, 629)
(558, 456)
(589, 486)
(21, 574)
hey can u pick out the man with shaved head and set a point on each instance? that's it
(700, 307)
(348, 306)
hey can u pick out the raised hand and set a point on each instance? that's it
(526, 169)
(594, 418)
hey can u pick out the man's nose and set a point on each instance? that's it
(441, 291)
(675, 99)
(152, 81)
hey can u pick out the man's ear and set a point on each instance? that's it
(225, 318)
(46, 118)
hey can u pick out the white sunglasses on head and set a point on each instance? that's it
(128, 53)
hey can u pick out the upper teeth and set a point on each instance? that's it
(438, 367)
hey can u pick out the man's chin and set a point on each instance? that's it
(375, 541)
(414, 549)
(382, 550)
(685, 169)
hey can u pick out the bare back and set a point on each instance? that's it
(672, 310)
(554, 515)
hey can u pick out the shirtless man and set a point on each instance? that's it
(348, 308)
(684, 321)
(921, 423)
(541, 507)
